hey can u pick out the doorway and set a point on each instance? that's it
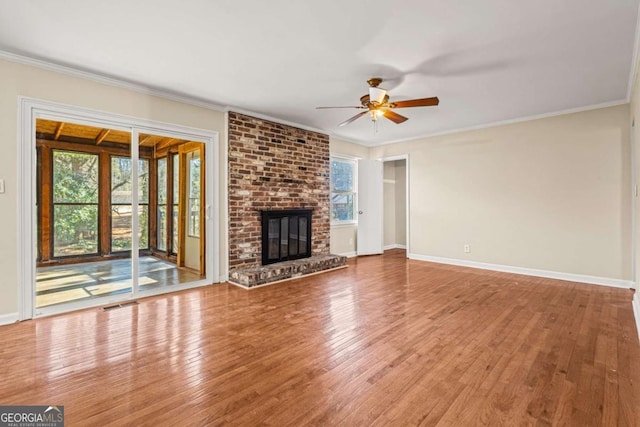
(118, 207)
(395, 195)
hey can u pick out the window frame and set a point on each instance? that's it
(354, 189)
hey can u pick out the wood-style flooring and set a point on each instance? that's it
(384, 342)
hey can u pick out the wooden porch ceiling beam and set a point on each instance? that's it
(58, 131)
(143, 140)
(102, 135)
(167, 143)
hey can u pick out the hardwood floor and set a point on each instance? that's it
(384, 342)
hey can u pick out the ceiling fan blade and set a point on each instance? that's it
(353, 119)
(422, 102)
(351, 106)
(394, 117)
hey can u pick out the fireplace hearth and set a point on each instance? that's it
(286, 235)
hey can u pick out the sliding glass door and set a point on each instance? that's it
(120, 214)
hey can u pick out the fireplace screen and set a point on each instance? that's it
(286, 235)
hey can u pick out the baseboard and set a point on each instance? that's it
(636, 311)
(349, 254)
(394, 246)
(582, 278)
(7, 319)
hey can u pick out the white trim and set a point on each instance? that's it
(634, 195)
(633, 72)
(394, 246)
(262, 116)
(191, 100)
(594, 280)
(111, 81)
(345, 157)
(354, 190)
(29, 110)
(224, 162)
(344, 224)
(135, 253)
(26, 189)
(505, 122)
(636, 311)
(7, 319)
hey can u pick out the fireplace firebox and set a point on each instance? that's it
(286, 234)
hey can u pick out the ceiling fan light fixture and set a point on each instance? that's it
(377, 104)
(377, 95)
(376, 114)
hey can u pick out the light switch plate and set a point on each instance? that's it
(1, 185)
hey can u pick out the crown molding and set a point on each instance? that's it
(507, 122)
(349, 140)
(111, 81)
(189, 100)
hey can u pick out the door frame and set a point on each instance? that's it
(404, 157)
(30, 109)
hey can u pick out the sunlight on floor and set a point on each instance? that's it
(60, 284)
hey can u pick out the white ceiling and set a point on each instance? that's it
(488, 61)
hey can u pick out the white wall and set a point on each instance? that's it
(549, 194)
(344, 237)
(22, 80)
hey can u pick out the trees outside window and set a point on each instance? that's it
(121, 203)
(162, 222)
(75, 203)
(342, 191)
(194, 195)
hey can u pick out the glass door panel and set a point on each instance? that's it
(78, 256)
(173, 217)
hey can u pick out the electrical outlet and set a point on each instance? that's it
(351, 241)
(467, 248)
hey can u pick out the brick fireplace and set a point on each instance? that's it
(274, 167)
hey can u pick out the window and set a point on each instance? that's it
(175, 202)
(194, 195)
(162, 204)
(342, 190)
(121, 200)
(75, 203)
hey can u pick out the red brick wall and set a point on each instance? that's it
(274, 166)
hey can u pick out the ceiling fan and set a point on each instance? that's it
(377, 104)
